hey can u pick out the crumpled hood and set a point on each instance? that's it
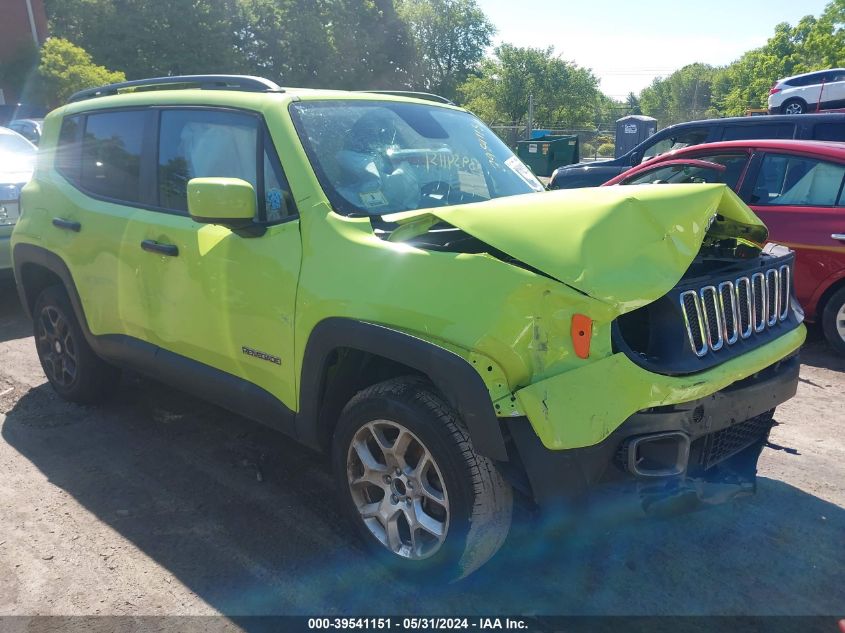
(626, 245)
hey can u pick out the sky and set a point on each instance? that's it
(628, 44)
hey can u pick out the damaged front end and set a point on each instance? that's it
(695, 330)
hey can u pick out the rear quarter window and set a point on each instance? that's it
(829, 132)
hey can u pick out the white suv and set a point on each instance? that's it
(820, 90)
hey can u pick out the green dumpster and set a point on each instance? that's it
(545, 154)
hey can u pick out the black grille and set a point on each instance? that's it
(758, 283)
(726, 292)
(743, 295)
(719, 446)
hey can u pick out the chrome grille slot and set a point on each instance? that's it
(713, 323)
(745, 308)
(783, 273)
(727, 304)
(759, 301)
(773, 295)
(720, 315)
(691, 307)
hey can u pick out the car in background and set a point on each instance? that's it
(820, 127)
(17, 161)
(796, 187)
(808, 92)
(30, 129)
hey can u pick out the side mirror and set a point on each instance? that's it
(635, 158)
(226, 201)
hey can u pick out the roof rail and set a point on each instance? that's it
(243, 83)
(410, 93)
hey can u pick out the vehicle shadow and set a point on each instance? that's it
(816, 351)
(13, 322)
(247, 520)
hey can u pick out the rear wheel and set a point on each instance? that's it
(833, 320)
(410, 481)
(794, 106)
(71, 366)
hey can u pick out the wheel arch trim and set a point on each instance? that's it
(456, 379)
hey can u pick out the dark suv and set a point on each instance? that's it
(819, 127)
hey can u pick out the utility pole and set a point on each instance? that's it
(530, 126)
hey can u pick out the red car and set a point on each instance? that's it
(796, 187)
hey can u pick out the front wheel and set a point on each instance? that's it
(833, 321)
(412, 484)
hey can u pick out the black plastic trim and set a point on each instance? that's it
(450, 373)
(568, 475)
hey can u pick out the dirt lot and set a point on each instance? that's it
(156, 503)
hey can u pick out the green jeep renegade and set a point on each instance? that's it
(378, 276)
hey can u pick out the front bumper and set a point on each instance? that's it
(723, 433)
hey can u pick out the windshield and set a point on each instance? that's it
(375, 157)
(675, 174)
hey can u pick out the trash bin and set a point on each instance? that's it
(545, 154)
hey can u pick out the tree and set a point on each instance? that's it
(64, 69)
(633, 104)
(450, 37)
(564, 93)
(148, 39)
(684, 95)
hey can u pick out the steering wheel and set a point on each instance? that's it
(436, 192)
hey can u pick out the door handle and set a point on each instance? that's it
(838, 236)
(67, 225)
(171, 250)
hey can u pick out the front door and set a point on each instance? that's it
(208, 294)
(800, 199)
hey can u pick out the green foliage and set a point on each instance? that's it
(606, 149)
(587, 150)
(64, 69)
(450, 37)
(563, 92)
(684, 95)
(19, 68)
(700, 91)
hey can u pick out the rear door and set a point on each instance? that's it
(833, 93)
(801, 200)
(208, 294)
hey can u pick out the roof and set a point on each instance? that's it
(815, 117)
(829, 149)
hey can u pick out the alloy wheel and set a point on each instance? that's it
(839, 320)
(398, 489)
(56, 346)
(793, 108)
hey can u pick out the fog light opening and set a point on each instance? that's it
(658, 455)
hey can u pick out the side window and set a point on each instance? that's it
(278, 199)
(683, 139)
(745, 132)
(796, 181)
(204, 143)
(734, 164)
(111, 154)
(829, 131)
(67, 151)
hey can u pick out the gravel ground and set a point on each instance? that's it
(158, 504)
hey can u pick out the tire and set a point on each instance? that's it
(833, 320)
(456, 500)
(794, 106)
(71, 366)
